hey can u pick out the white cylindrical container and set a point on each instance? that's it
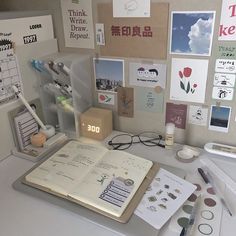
(169, 136)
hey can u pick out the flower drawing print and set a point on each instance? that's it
(185, 83)
(188, 79)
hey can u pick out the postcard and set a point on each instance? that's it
(109, 74)
(224, 80)
(220, 118)
(147, 99)
(223, 93)
(197, 115)
(188, 80)
(147, 75)
(192, 32)
(106, 98)
(131, 8)
(176, 113)
(225, 66)
(125, 97)
(227, 21)
(78, 23)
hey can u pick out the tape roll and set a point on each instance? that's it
(187, 154)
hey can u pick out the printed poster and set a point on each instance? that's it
(131, 8)
(198, 115)
(27, 30)
(78, 23)
(192, 32)
(176, 113)
(188, 80)
(147, 75)
(227, 29)
(147, 99)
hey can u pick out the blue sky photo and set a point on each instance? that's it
(109, 69)
(220, 113)
(192, 32)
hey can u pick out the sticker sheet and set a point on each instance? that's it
(163, 197)
(188, 80)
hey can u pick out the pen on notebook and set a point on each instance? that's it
(188, 229)
(209, 179)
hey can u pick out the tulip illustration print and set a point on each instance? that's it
(185, 83)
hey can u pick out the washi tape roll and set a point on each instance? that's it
(187, 154)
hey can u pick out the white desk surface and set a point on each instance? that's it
(21, 214)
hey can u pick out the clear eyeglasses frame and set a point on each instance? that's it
(124, 141)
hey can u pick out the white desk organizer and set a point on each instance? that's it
(78, 77)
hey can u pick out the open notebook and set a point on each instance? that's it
(107, 181)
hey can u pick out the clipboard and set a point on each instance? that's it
(124, 218)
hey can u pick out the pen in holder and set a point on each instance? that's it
(48, 130)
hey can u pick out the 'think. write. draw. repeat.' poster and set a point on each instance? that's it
(78, 23)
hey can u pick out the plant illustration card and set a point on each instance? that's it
(125, 97)
(147, 75)
(106, 98)
(227, 21)
(109, 74)
(78, 23)
(224, 80)
(223, 93)
(219, 118)
(225, 66)
(147, 99)
(176, 113)
(188, 80)
(192, 32)
(131, 8)
(197, 115)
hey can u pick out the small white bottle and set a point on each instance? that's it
(169, 137)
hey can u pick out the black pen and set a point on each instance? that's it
(202, 173)
(208, 179)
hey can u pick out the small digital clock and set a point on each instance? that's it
(96, 123)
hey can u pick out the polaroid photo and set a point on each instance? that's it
(219, 118)
(109, 74)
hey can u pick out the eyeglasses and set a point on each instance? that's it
(124, 141)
